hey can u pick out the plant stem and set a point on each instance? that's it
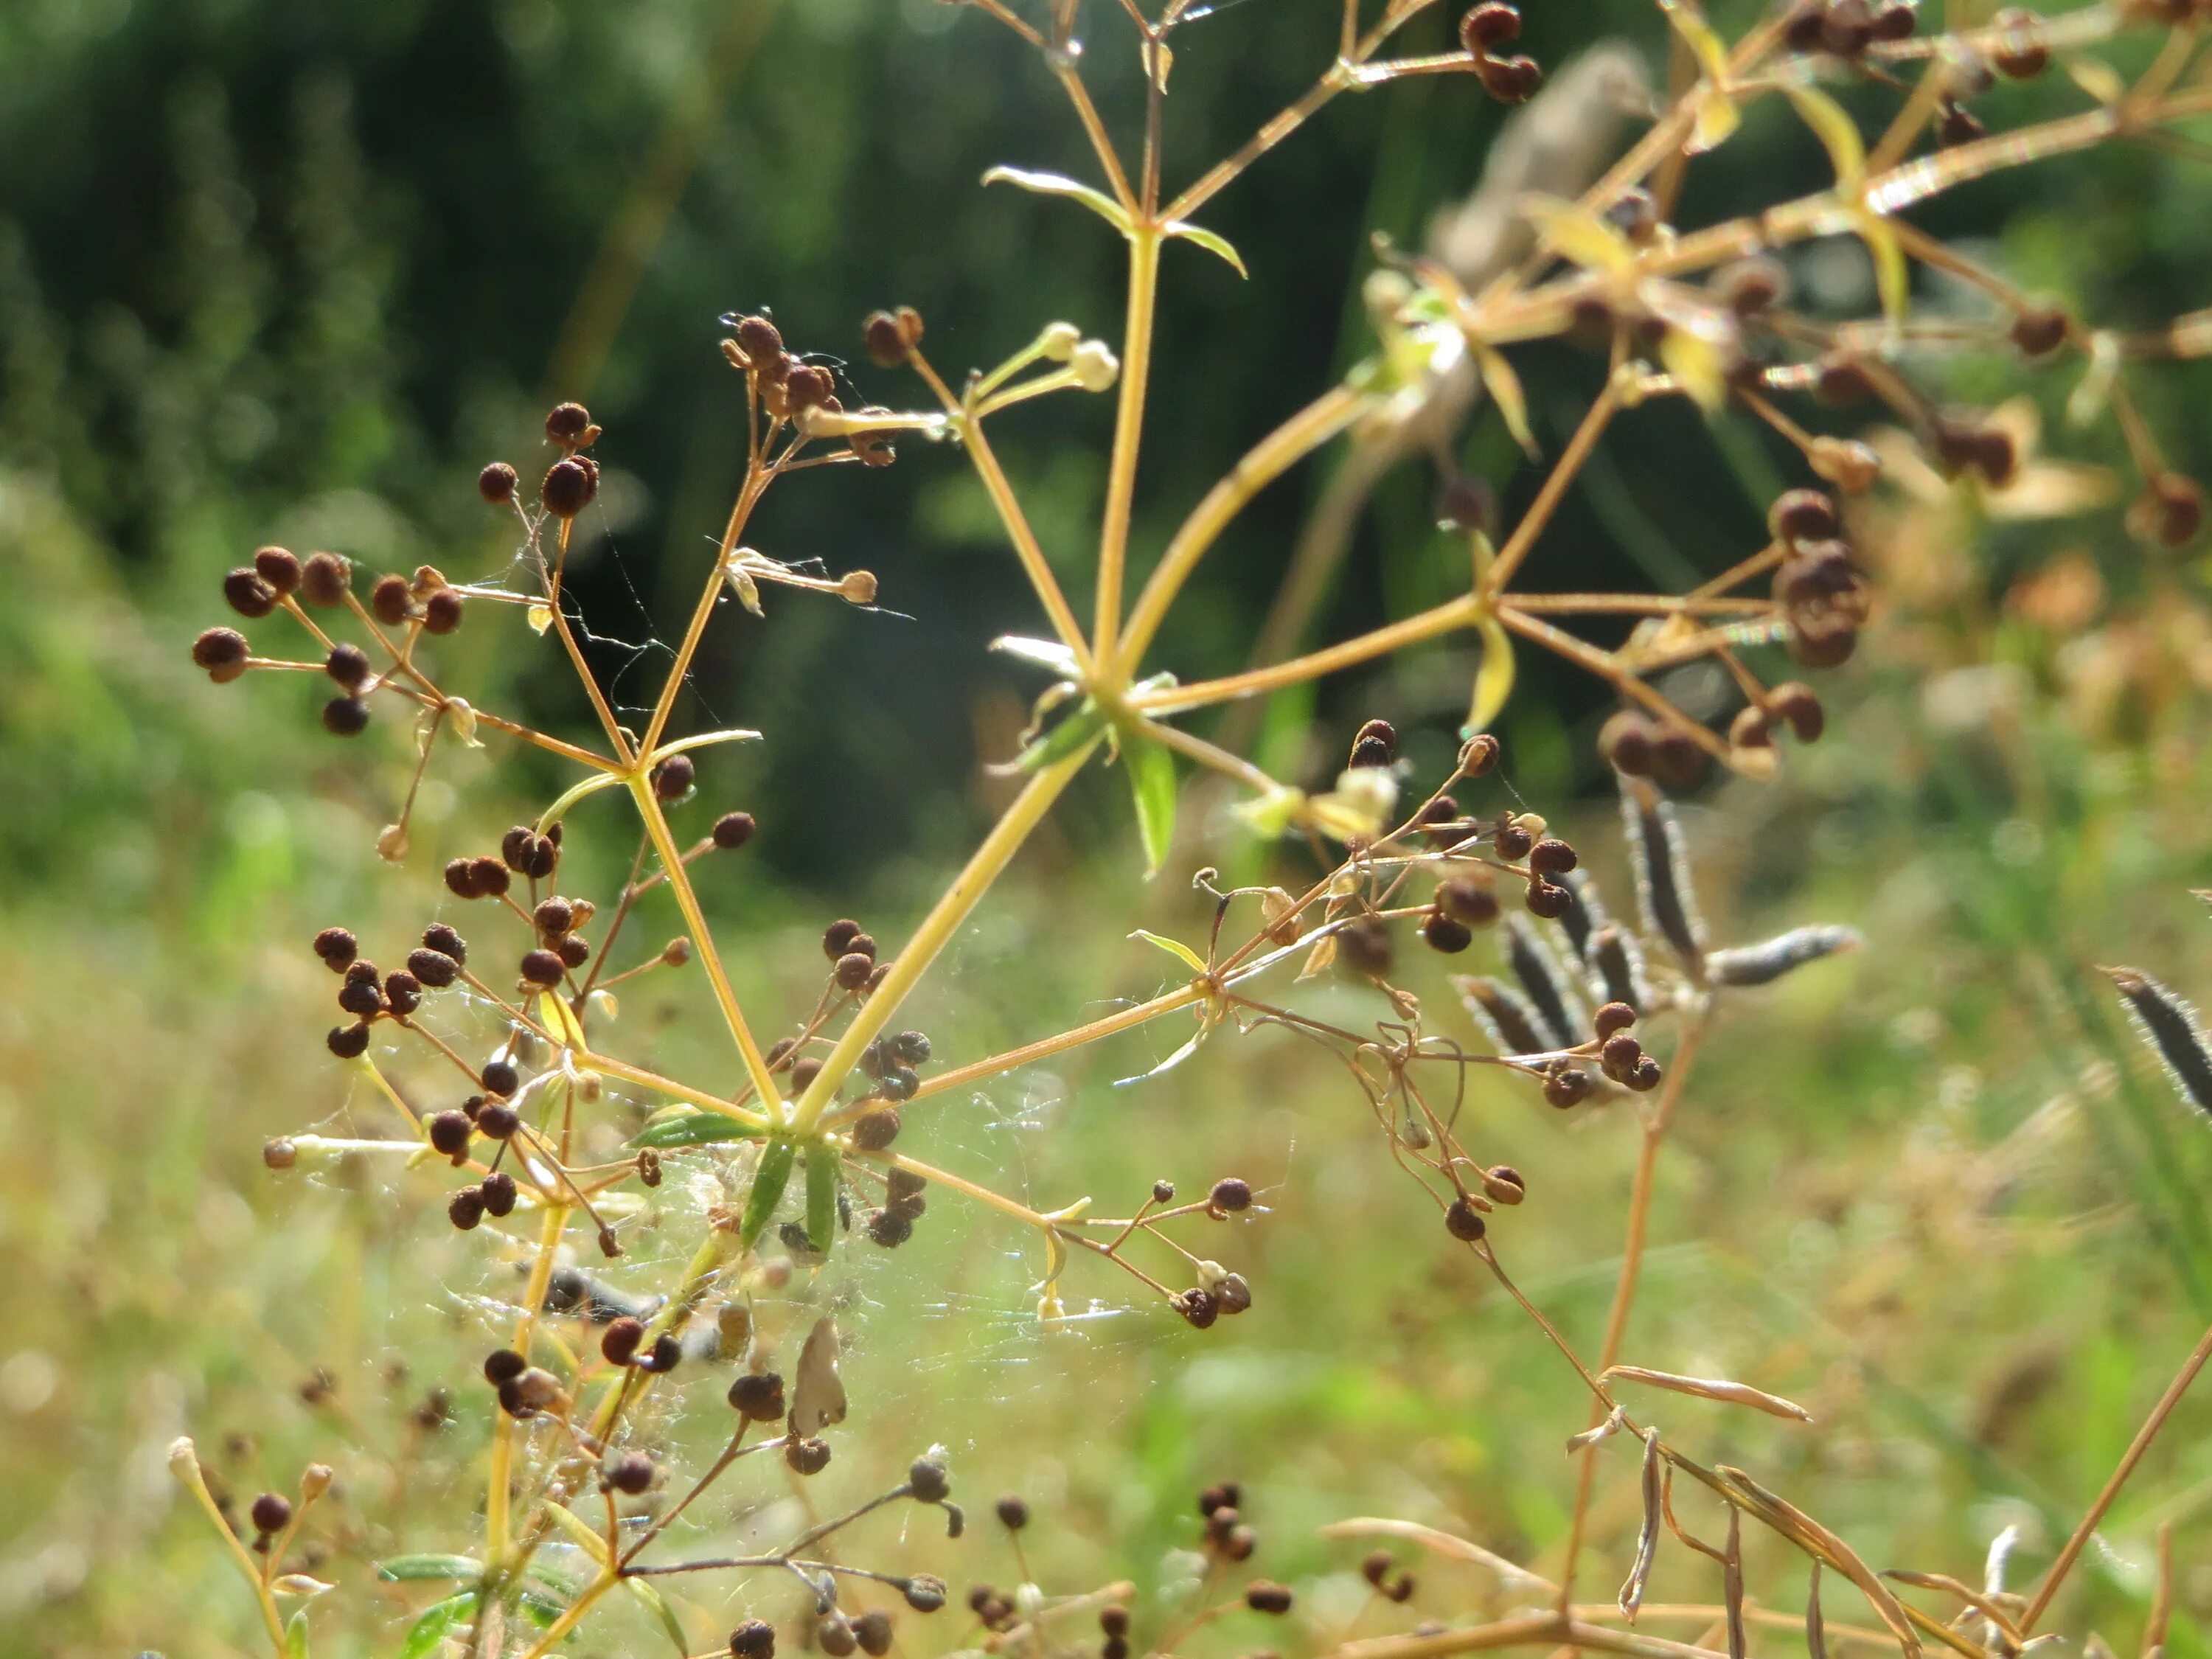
(2129, 1459)
(1266, 461)
(710, 958)
(1448, 617)
(1129, 432)
(936, 932)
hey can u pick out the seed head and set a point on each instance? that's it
(929, 1482)
(757, 1396)
(1445, 933)
(756, 1637)
(1464, 1221)
(1262, 1595)
(390, 600)
(1231, 1193)
(569, 486)
(1013, 1512)
(567, 423)
(247, 593)
(619, 1343)
(325, 579)
(222, 651)
(347, 1041)
(497, 484)
(632, 1472)
(272, 1512)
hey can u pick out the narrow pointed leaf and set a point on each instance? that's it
(1174, 947)
(1838, 135)
(417, 1569)
(1064, 739)
(694, 1129)
(438, 1620)
(1054, 184)
(1577, 235)
(1493, 681)
(1153, 783)
(821, 1194)
(657, 1605)
(1167, 1064)
(1504, 388)
(1211, 241)
(768, 1182)
(1893, 272)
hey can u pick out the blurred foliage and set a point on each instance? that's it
(292, 272)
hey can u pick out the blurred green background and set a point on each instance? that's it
(284, 271)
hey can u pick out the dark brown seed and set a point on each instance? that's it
(1013, 1513)
(837, 937)
(325, 579)
(441, 611)
(498, 1193)
(1802, 515)
(347, 1041)
(673, 777)
(432, 967)
(873, 1630)
(337, 948)
(758, 1396)
(853, 968)
(1468, 901)
(467, 1209)
(1569, 1086)
(1376, 744)
(1445, 933)
(403, 992)
(222, 651)
(247, 593)
(1548, 899)
(1464, 1221)
(441, 937)
(497, 484)
(271, 1512)
(619, 1343)
(1796, 703)
(873, 1131)
(806, 1456)
(1197, 1306)
(348, 664)
(1612, 1018)
(886, 343)
(499, 1079)
(758, 339)
(566, 423)
(733, 829)
(1231, 1193)
(542, 968)
(1551, 857)
(568, 487)
(2039, 330)
(496, 1120)
(345, 717)
(632, 1472)
(389, 601)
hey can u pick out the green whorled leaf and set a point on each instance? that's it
(695, 1129)
(1064, 739)
(821, 1194)
(1504, 388)
(1054, 184)
(416, 1568)
(1838, 133)
(1493, 680)
(657, 1605)
(1152, 783)
(768, 1182)
(1045, 653)
(1174, 947)
(1211, 241)
(295, 1636)
(438, 1621)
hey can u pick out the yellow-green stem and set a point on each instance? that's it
(936, 932)
(1128, 432)
(710, 958)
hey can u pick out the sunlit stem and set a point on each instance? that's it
(550, 1227)
(1448, 617)
(709, 595)
(2129, 1459)
(710, 957)
(1129, 432)
(936, 932)
(1267, 460)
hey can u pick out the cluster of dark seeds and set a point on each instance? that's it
(904, 1203)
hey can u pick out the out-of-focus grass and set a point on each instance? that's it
(1929, 1190)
